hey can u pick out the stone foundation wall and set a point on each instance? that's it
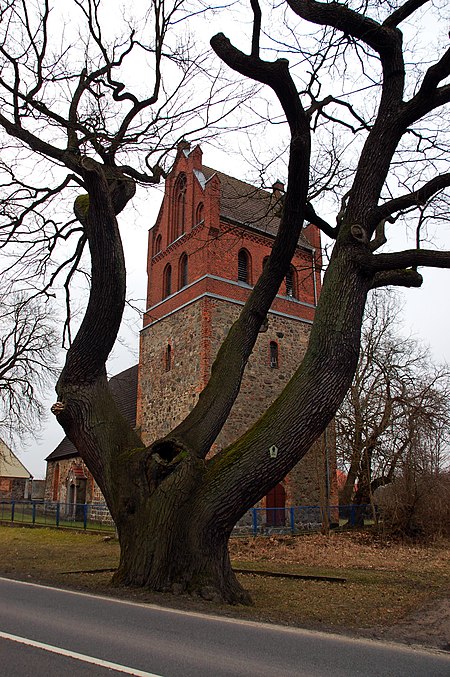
(12, 489)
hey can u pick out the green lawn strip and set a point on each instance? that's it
(47, 552)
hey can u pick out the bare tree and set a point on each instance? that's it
(396, 410)
(175, 510)
(28, 363)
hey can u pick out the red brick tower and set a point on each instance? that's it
(207, 249)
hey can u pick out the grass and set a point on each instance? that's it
(385, 582)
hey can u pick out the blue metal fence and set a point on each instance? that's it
(46, 513)
(255, 522)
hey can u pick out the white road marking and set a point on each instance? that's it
(77, 656)
(402, 648)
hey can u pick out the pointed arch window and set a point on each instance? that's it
(183, 271)
(157, 246)
(244, 266)
(167, 281)
(199, 216)
(179, 208)
(290, 283)
(273, 350)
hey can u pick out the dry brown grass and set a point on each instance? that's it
(342, 550)
(385, 582)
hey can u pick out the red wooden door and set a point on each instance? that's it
(275, 506)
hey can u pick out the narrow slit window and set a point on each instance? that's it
(273, 355)
(167, 281)
(199, 213)
(179, 208)
(157, 245)
(168, 359)
(183, 271)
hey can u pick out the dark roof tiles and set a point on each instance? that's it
(244, 204)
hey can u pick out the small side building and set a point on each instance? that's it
(15, 479)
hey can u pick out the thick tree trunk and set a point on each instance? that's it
(171, 542)
(171, 549)
(169, 539)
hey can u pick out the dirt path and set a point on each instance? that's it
(428, 627)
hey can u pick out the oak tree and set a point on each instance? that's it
(174, 509)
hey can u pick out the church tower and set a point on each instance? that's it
(205, 252)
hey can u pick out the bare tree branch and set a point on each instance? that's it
(397, 278)
(403, 12)
(382, 39)
(275, 74)
(256, 27)
(416, 198)
(408, 258)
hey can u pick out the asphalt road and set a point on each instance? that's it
(52, 632)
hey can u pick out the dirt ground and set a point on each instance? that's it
(430, 626)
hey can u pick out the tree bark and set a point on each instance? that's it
(171, 541)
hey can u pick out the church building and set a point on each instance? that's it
(208, 247)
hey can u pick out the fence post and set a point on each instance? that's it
(13, 507)
(33, 514)
(352, 515)
(57, 514)
(292, 514)
(254, 522)
(85, 515)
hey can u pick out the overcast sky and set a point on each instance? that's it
(426, 309)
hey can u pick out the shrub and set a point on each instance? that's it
(416, 506)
